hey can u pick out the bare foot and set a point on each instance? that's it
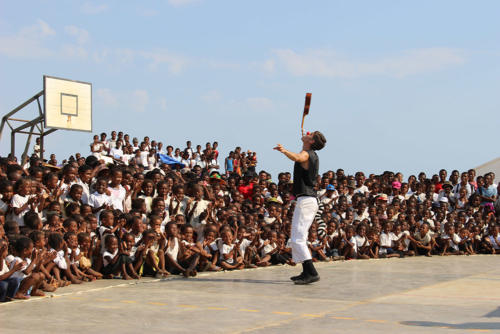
(76, 281)
(37, 293)
(49, 287)
(127, 278)
(21, 296)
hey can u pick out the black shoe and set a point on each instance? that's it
(307, 280)
(294, 278)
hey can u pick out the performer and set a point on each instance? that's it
(305, 172)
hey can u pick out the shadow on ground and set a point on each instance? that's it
(234, 280)
(465, 325)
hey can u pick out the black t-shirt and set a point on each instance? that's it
(304, 180)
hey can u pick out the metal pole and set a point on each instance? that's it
(28, 142)
(13, 144)
(42, 136)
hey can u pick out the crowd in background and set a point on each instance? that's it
(131, 209)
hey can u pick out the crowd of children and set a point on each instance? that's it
(125, 212)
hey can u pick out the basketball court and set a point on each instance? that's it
(411, 295)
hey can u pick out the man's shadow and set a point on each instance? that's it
(466, 325)
(235, 280)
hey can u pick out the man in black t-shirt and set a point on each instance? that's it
(305, 172)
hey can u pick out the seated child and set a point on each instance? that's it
(388, 241)
(60, 266)
(8, 284)
(316, 247)
(172, 249)
(492, 241)
(30, 278)
(422, 241)
(115, 261)
(87, 250)
(229, 257)
(74, 256)
(450, 241)
(49, 284)
(155, 256)
(348, 246)
(373, 239)
(362, 242)
(206, 252)
(465, 244)
(190, 253)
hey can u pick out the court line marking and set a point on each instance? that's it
(187, 306)
(354, 304)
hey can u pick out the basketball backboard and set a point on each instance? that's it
(68, 104)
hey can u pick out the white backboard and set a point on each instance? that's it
(68, 104)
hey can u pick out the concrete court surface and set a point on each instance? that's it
(454, 294)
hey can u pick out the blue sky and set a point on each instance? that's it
(397, 85)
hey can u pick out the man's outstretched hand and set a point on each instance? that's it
(279, 148)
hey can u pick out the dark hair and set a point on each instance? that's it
(10, 226)
(67, 235)
(4, 184)
(82, 235)
(137, 203)
(22, 243)
(55, 240)
(108, 238)
(36, 236)
(83, 168)
(319, 141)
(31, 218)
(105, 213)
(74, 187)
(68, 221)
(71, 208)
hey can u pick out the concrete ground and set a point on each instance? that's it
(412, 295)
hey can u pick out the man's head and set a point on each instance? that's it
(316, 139)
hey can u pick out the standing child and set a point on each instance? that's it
(22, 201)
(99, 200)
(7, 191)
(117, 192)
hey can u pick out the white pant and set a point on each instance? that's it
(303, 216)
